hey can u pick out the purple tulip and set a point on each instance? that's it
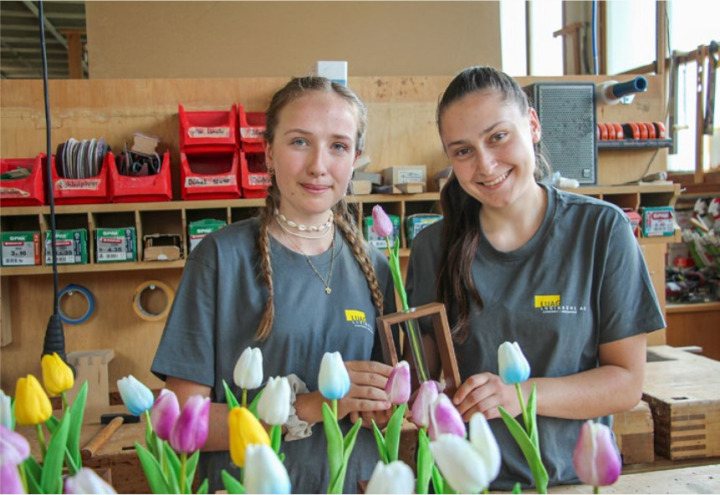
(596, 459)
(445, 418)
(165, 413)
(382, 225)
(13, 447)
(423, 401)
(10, 479)
(191, 428)
(398, 385)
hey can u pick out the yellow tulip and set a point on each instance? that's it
(32, 405)
(57, 375)
(245, 429)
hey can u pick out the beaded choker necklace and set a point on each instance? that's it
(289, 226)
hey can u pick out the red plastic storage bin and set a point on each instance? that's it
(208, 131)
(28, 191)
(253, 175)
(251, 130)
(127, 189)
(210, 176)
(81, 191)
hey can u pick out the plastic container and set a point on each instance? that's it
(251, 130)
(210, 176)
(127, 189)
(81, 191)
(253, 174)
(208, 131)
(27, 191)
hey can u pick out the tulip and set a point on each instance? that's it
(274, 403)
(460, 464)
(136, 396)
(57, 375)
(6, 415)
(191, 428)
(245, 429)
(10, 479)
(13, 447)
(165, 412)
(595, 458)
(395, 477)
(382, 225)
(248, 372)
(420, 410)
(32, 405)
(398, 385)
(445, 418)
(513, 366)
(87, 481)
(264, 473)
(333, 380)
(485, 444)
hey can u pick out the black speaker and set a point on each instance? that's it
(567, 118)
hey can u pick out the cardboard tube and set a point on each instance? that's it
(152, 285)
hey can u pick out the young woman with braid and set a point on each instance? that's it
(296, 281)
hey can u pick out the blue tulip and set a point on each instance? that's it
(333, 380)
(136, 396)
(513, 367)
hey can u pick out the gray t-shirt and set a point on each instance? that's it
(581, 281)
(216, 312)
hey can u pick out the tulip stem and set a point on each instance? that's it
(23, 476)
(41, 440)
(64, 401)
(334, 407)
(526, 419)
(244, 397)
(183, 465)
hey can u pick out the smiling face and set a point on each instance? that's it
(312, 153)
(490, 143)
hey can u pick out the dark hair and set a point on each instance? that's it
(461, 235)
(344, 218)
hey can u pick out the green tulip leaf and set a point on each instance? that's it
(232, 485)
(380, 441)
(517, 488)
(230, 397)
(254, 403)
(77, 412)
(173, 466)
(33, 472)
(532, 414)
(190, 466)
(437, 480)
(51, 478)
(334, 442)
(153, 471)
(52, 424)
(392, 433)
(337, 483)
(532, 455)
(276, 438)
(425, 463)
(203, 488)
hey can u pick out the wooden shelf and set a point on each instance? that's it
(674, 308)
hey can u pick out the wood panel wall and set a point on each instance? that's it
(402, 132)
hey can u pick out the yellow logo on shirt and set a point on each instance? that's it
(357, 319)
(547, 301)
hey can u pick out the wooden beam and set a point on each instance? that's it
(75, 52)
(702, 53)
(574, 31)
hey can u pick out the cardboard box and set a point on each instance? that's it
(411, 187)
(415, 223)
(403, 174)
(634, 433)
(359, 187)
(375, 240)
(199, 229)
(658, 221)
(115, 245)
(20, 248)
(71, 247)
(373, 177)
(162, 247)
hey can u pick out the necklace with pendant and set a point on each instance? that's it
(325, 282)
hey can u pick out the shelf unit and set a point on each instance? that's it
(624, 144)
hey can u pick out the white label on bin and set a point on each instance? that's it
(18, 253)
(7, 192)
(225, 180)
(259, 180)
(209, 132)
(78, 184)
(252, 132)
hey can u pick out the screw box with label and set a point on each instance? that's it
(199, 229)
(658, 221)
(71, 247)
(115, 245)
(20, 248)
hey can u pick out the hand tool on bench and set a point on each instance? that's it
(100, 438)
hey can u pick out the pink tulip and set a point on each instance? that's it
(191, 428)
(420, 410)
(13, 447)
(445, 418)
(10, 479)
(382, 225)
(398, 385)
(165, 413)
(596, 458)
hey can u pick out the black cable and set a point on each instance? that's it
(54, 335)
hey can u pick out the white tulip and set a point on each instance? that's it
(460, 464)
(264, 473)
(87, 481)
(248, 373)
(5, 411)
(483, 440)
(274, 404)
(396, 477)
